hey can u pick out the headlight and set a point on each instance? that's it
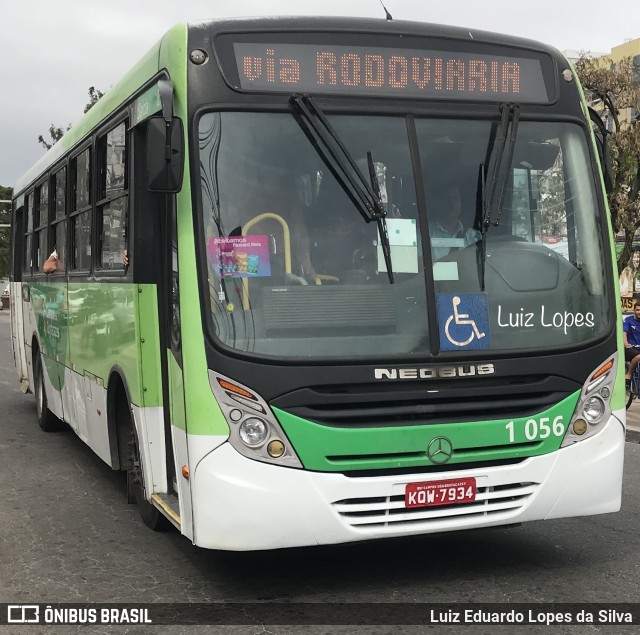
(593, 409)
(253, 431)
(594, 404)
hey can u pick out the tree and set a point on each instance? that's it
(56, 133)
(94, 97)
(5, 218)
(614, 88)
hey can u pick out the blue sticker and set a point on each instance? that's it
(463, 320)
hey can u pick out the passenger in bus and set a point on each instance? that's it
(52, 263)
(631, 337)
(445, 226)
(342, 244)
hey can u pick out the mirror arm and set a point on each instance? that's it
(165, 90)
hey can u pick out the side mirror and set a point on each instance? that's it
(165, 154)
(604, 155)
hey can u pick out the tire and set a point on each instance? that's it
(151, 516)
(46, 419)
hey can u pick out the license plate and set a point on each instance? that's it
(433, 493)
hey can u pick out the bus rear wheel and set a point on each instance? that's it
(151, 516)
(46, 419)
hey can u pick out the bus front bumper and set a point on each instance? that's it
(240, 504)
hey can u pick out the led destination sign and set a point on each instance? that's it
(365, 70)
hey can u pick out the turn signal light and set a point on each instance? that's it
(185, 472)
(603, 369)
(227, 385)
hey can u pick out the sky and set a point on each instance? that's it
(51, 51)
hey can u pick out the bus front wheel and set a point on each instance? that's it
(151, 516)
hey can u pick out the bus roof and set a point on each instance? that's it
(369, 25)
(150, 64)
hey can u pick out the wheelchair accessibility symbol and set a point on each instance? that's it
(464, 321)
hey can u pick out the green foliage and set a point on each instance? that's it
(56, 133)
(615, 92)
(5, 219)
(94, 96)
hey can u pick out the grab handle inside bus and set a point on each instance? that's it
(165, 154)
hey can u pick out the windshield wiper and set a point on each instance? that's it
(365, 194)
(380, 218)
(497, 175)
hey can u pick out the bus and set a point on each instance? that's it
(306, 291)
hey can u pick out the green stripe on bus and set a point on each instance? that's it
(93, 327)
(338, 449)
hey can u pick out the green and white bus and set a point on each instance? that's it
(309, 290)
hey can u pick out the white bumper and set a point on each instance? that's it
(240, 504)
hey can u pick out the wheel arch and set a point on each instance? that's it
(117, 389)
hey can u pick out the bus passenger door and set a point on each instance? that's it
(154, 262)
(178, 427)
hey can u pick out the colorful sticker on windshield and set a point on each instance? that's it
(240, 256)
(463, 321)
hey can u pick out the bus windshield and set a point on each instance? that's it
(295, 271)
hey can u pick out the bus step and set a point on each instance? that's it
(168, 505)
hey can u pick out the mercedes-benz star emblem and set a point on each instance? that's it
(440, 450)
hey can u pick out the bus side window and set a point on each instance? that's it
(28, 239)
(41, 224)
(112, 204)
(59, 215)
(80, 216)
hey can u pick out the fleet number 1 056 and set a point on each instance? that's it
(537, 430)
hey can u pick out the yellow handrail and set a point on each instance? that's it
(320, 277)
(286, 235)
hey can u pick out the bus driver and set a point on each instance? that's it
(446, 228)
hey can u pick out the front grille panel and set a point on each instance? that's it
(388, 404)
(390, 511)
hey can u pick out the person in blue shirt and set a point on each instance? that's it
(631, 337)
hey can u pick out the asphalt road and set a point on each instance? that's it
(68, 535)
